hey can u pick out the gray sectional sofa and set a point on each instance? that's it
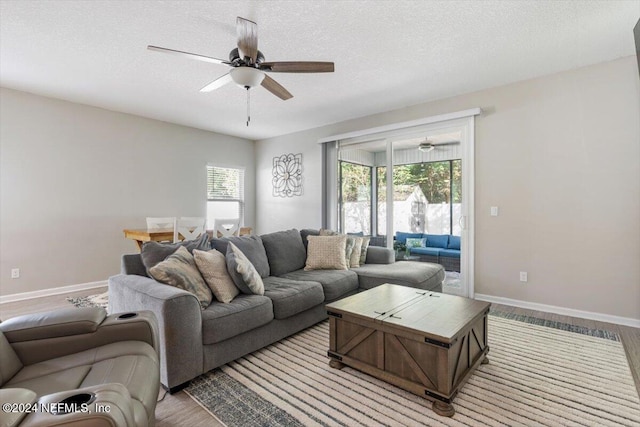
(194, 341)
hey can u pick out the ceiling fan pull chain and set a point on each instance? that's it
(248, 109)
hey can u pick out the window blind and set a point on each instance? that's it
(225, 184)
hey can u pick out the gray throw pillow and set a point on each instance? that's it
(251, 247)
(153, 253)
(242, 272)
(180, 270)
(308, 232)
(285, 251)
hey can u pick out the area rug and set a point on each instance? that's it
(97, 300)
(538, 375)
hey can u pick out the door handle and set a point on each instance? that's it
(462, 222)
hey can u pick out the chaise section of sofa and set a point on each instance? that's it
(293, 300)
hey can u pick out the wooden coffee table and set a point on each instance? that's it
(425, 342)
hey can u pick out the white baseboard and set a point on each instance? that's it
(52, 291)
(626, 321)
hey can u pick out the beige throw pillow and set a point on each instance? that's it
(365, 247)
(349, 246)
(213, 267)
(354, 261)
(180, 270)
(326, 253)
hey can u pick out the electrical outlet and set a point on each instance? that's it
(494, 211)
(15, 273)
(523, 276)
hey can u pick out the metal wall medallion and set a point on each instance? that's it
(287, 175)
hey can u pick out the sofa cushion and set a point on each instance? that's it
(335, 283)
(308, 232)
(326, 253)
(251, 247)
(425, 251)
(450, 253)
(422, 275)
(437, 240)
(242, 271)
(454, 242)
(285, 251)
(153, 253)
(180, 270)
(246, 312)
(213, 267)
(291, 297)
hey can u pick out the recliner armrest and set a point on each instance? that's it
(52, 324)
(111, 405)
(140, 327)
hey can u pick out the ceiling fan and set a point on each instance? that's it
(248, 66)
(427, 146)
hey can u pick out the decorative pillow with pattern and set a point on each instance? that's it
(180, 270)
(415, 242)
(326, 253)
(243, 273)
(213, 267)
(365, 247)
(354, 261)
(348, 249)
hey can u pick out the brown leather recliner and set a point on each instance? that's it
(79, 367)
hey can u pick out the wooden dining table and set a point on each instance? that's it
(142, 235)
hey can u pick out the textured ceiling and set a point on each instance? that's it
(387, 54)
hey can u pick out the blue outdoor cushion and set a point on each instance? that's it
(437, 241)
(454, 242)
(450, 253)
(425, 251)
(402, 237)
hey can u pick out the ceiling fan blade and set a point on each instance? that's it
(217, 83)
(247, 38)
(275, 88)
(189, 55)
(442, 144)
(298, 67)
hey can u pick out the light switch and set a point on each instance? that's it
(494, 211)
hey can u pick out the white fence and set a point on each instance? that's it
(435, 221)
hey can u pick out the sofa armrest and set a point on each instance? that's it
(52, 324)
(179, 323)
(112, 405)
(380, 255)
(20, 397)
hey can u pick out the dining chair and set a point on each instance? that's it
(161, 222)
(189, 228)
(226, 227)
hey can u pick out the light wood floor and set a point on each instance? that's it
(180, 410)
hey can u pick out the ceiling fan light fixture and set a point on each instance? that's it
(246, 77)
(426, 147)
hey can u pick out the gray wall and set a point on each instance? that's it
(560, 156)
(73, 177)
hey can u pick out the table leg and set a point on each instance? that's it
(335, 364)
(443, 409)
